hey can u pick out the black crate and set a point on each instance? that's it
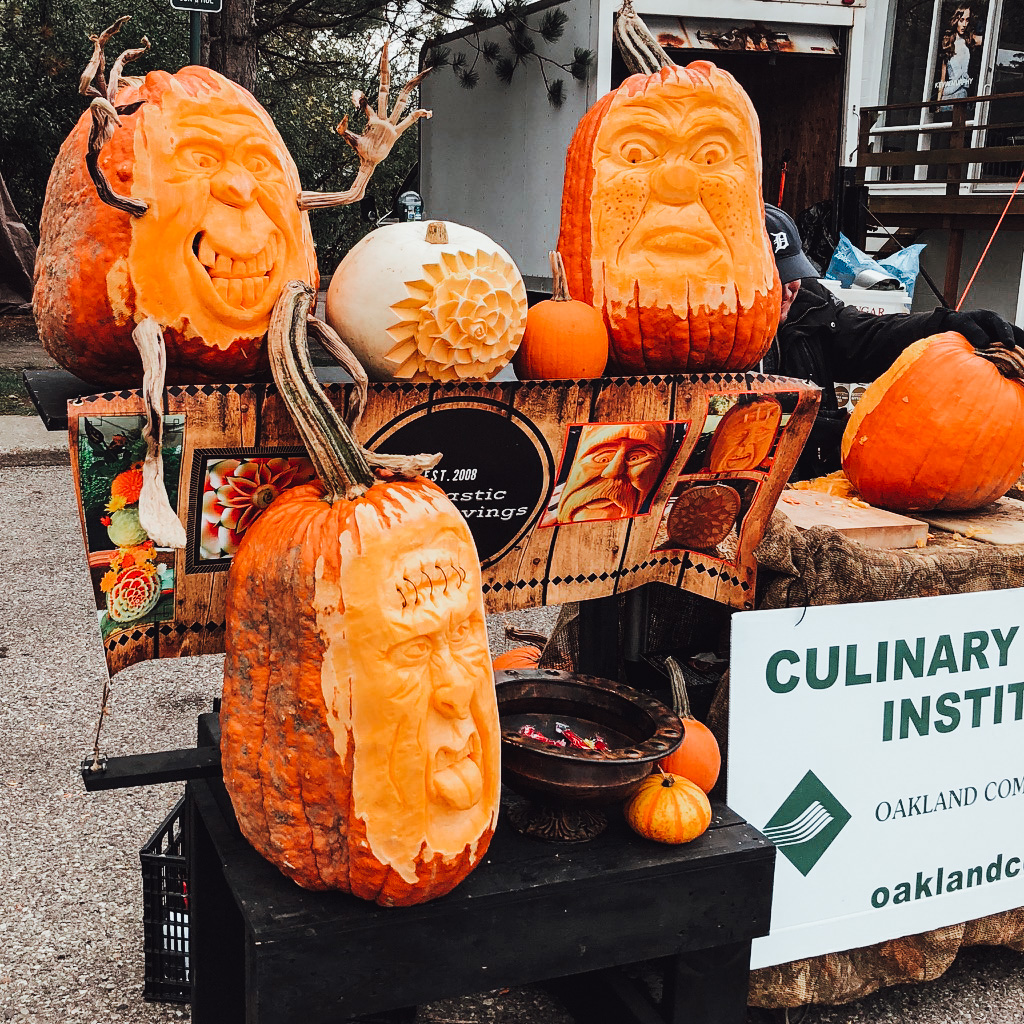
(165, 912)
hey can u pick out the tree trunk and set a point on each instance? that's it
(229, 42)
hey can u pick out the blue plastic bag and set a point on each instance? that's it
(848, 261)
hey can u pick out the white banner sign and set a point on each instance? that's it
(881, 747)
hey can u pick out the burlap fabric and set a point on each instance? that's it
(820, 566)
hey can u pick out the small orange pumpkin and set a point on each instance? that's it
(565, 339)
(698, 758)
(662, 224)
(942, 428)
(668, 809)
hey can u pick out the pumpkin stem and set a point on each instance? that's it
(525, 636)
(640, 50)
(345, 468)
(106, 118)
(1008, 361)
(381, 133)
(346, 359)
(680, 698)
(559, 282)
(437, 232)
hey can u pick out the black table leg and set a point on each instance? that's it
(216, 931)
(708, 985)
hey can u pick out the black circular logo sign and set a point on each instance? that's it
(496, 466)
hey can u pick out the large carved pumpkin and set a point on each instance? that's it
(942, 428)
(663, 223)
(209, 257)
(360, 736)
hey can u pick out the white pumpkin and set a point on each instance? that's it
(428, 301)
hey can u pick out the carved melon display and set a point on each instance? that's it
(428, 301)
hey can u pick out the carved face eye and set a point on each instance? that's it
(637, 150)
(204, 159)
(641, 454)
(414, 651)
(710, 153)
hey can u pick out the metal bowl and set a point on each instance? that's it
(638, 730)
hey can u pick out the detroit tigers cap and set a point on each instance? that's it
(787, 246)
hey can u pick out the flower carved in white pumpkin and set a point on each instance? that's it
(237, 492)
(463, 320)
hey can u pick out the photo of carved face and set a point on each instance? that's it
(615, 470)
(223, 232)
(423, 712)
(744, 436)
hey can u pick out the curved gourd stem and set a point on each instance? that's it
(1008, 361)
(559, 282)
(526, 637)
(641, 52)
(680, 698)
(345, 468)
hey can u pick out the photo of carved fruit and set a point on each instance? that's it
(702, 516)
(743, 438)
(237, 491)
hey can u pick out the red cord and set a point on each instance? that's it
(990, 240)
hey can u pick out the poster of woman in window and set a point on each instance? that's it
(959, 53)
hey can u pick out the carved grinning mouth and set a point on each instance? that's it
(447, 756)
(239, 282)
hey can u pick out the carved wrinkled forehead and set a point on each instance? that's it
(655, 433)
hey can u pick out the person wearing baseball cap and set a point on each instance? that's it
(823, 340)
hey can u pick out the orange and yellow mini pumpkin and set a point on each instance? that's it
(662, 224)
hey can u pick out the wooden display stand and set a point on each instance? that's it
(264, 951)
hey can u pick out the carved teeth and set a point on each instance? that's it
(239, 282)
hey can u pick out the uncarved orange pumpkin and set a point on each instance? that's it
(942, 428)
(698, 758)
(662, 224)
(565, 339)
(360, 736)
(527, 655)
(668, 809)
(209, 257)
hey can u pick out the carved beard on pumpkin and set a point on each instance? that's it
(674, 247)
(421, 708)
(223, 232)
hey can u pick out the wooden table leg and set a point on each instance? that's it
(216, 931)
(708, 985)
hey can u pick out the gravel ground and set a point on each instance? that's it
(70, 889)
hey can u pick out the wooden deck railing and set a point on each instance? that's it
(951, 146)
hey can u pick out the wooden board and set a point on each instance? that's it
(1002, 522)
(874, 527)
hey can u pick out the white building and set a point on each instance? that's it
(493, 156)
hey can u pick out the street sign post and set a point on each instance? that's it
(200, 6)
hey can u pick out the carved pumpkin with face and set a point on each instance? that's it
(663, 223)
(209, 257)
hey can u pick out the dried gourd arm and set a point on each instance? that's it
(377, 140)
(106, 117)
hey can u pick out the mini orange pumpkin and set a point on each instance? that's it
(360, 735)
(698, 758)
(668, 809)
(942, 428)
(220, 235)
(565, 339)
(662, 223)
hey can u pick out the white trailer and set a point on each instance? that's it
(493, 156)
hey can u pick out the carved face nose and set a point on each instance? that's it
(234, 185)
(452, 688)
(676, 182)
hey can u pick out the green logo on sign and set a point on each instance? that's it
(805, 825)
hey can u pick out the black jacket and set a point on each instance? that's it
(824, 341)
